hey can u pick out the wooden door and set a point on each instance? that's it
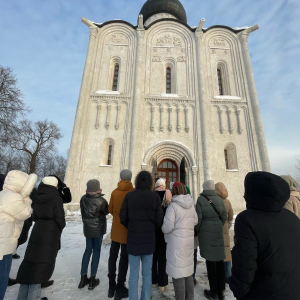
(168, 170)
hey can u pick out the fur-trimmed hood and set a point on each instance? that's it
(20, 182)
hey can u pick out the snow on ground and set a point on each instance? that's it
(67, 271)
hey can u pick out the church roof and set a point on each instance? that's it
(173, 7)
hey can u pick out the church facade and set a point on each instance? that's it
(177, 101)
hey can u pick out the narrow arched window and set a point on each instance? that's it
(226, 159)
(116, 77)
(168, 81)
(220, 82)
(230, 156)
(109, 155)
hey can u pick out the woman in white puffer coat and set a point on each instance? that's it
(178, 227)
(15, 208)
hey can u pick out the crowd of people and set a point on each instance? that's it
(159, 231)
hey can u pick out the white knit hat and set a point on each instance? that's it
(50, 180)
(160, 182)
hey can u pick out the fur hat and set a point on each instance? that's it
(178, 189)
(160, 182)
(126, 175)
(50, 180)
(209, 185)
(93, 186)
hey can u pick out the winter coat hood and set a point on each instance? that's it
(185, 201)
(143, 181)
(125, 185)
(266, 191)
(20, 182)
(221, 190)
(46, 193)
(291, 182)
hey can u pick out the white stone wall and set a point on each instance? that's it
(145, 125)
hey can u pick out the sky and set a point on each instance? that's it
(45, 44)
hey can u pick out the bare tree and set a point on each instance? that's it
(12, 160)
(11, 104)
(53, 164)
(35, 140)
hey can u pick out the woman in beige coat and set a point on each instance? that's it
(223, 193)
(293, 204)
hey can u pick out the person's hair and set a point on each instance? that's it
(144, 181)
(178, 189)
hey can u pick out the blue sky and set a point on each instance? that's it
(45, 43)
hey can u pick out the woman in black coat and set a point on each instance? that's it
(266, 260)
(39, 261)
(142, 215)
(94, 209)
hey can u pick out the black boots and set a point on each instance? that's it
(213, 296)
(83, 281)
(210, 295)
(93, 282)
(121, 292)
(111, 290)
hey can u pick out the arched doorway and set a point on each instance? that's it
(168, 170)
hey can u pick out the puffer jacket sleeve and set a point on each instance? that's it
(195, 217)
(224, 214)
(244, 257)
(17, 207)
(59, 213)
(104, 207)
(169, 220)
(199, 214)
(124, 212)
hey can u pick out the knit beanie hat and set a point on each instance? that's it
(178, 189)
(126, 175)
(160, 182)
(188, 190)
(93, 186)
(209, 185)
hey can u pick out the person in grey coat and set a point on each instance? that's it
(211, 217)
(178, 228)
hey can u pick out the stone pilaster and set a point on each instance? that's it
(264, 157)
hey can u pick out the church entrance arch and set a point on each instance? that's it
(158, 156)
(168, 170)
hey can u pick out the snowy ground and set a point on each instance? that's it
(67, 271)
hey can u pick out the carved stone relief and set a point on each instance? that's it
(169, 40)
(156, 58)
(181, 59)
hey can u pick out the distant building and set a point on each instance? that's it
(162, 96)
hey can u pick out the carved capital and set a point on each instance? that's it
(194, 170)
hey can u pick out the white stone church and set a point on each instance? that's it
(175, 100)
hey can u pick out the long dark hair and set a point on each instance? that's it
(144, 181)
